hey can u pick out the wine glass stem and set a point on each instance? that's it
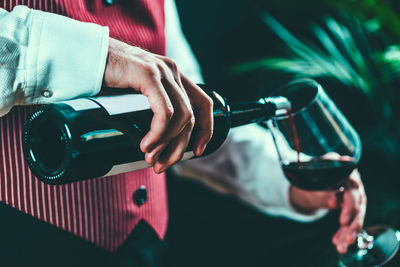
(364, 240)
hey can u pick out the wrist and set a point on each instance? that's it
(300, 203)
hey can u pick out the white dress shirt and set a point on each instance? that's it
(46, 58)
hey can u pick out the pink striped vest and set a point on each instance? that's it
(102, 210)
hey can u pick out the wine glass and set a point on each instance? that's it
(318, 149)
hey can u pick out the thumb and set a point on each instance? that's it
(333, 201)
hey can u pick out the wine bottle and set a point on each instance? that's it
(93, 137)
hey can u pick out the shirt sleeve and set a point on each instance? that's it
(247, 166)
(46, 57)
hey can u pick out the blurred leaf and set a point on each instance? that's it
(341, 52)
(375, 13)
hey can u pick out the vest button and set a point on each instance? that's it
(108, 2)
(140, 196)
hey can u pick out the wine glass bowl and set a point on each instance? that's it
(317, 146)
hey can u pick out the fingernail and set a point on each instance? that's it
(146, 146)
(200, 150)
(155, 157)
(332, 202)
(162, 169)
(143, 145)
(159, 167)
(155, 171)
(339, 249)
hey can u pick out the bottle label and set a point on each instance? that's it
(120, 104)
(81, 104)
(137, 165)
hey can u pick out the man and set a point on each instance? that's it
(46, 58)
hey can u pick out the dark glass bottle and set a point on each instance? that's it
(100, 136)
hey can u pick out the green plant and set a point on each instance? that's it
(342, 52)
(376, 13)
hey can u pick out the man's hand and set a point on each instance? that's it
(176, 102)
(352, 201)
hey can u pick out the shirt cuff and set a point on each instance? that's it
(284, 208)
(65, 59)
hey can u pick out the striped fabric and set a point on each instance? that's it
(101, 211)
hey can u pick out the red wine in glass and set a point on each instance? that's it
(318, 174)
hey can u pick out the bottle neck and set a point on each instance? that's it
(256, 111)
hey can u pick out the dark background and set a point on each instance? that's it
(208, 229)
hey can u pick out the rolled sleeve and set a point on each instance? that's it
(46, 57)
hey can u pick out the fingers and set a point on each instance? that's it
(331, 156)
(337, 156)
(333, 201)
(352, 215)
(337, 240)
(347, 235)
(358, 220)
(176, 128)
(174, 152)
(171, 147)
(176, 102)
(351, 219)
(181, 118)
(163, 110)
(174, 132)
(350, 206)
(203, 111)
